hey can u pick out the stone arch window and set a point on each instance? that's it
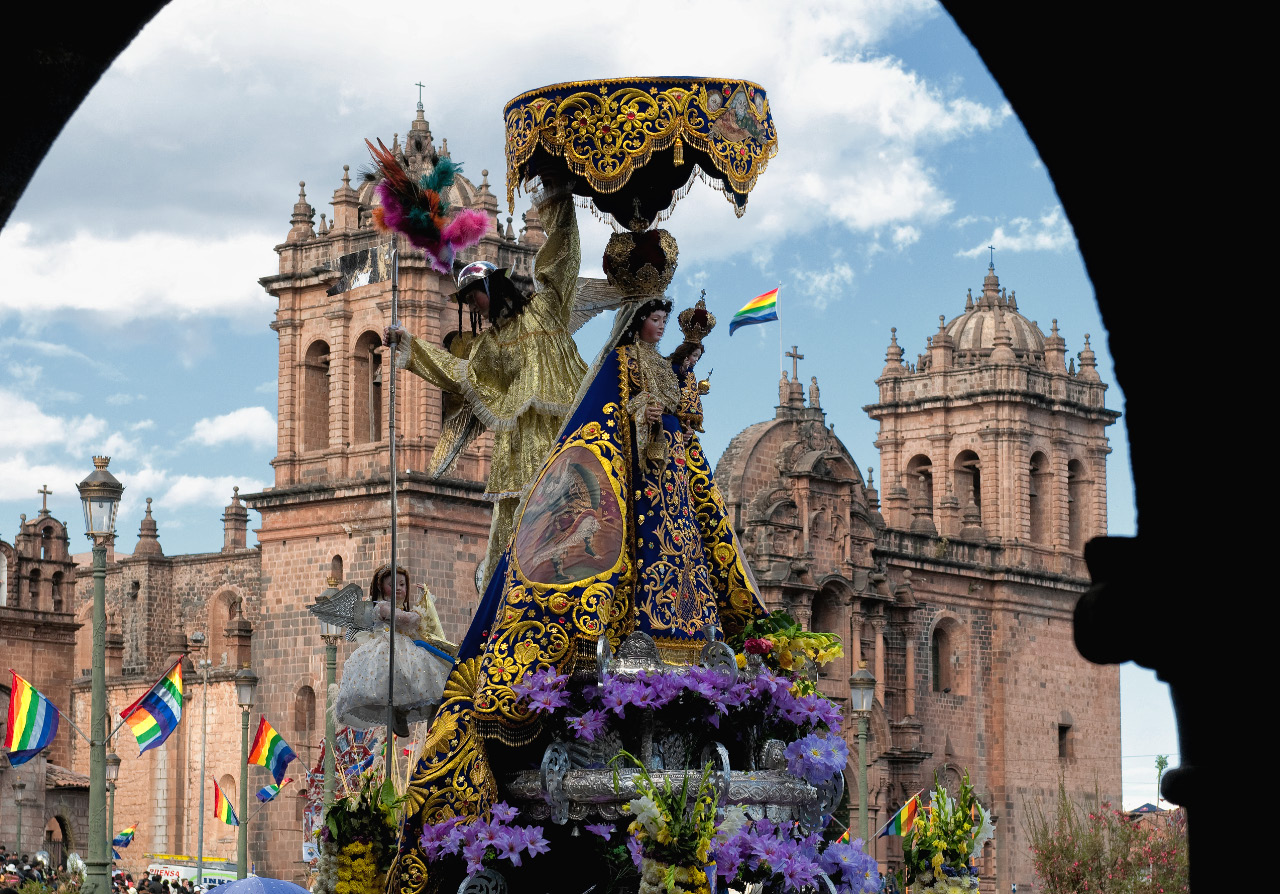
(335, 568)
(58, 603)
(33, 588)
(223, 609)
(948, 658)
(366, 390)
(1040, 497)
(46, 542)
(304, 715)
(314, 410)
(1077, 505)
(831, 616)
(228, 785)
(967, 470)
(920, 481)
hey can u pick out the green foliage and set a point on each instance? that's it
(370, 815)
(1095, 849)
(947, 834)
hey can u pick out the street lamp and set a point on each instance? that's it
(113, 773)
(199, 639)
(246, 683)
(329, 633)
(19, 788)
(100, 494)
(862, 694)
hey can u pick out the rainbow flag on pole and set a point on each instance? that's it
(222, 807)
(154, 716)
(761, 309)
(125, 838)
(270, 751)
(33, 722)
(269, 792)
(902, 820)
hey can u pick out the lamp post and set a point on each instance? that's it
(100, 495)
(862, 693)
(113, 773)
(18, 789)
(199, 639)
(329, 633)
(246, 683)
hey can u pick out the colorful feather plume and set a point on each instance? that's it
(419, 210)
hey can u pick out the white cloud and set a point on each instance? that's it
(822, 287)
(905, 235)
(253, 425)
(29, 427)
(1049, 232)
(205, 490)
(143, 425)
(121, 399)
(21, 477)
(135, 276)
(271, 386)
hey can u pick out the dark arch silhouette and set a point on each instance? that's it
(1125, 108)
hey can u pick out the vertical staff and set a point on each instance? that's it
(395, 573)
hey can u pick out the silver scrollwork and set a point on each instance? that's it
(555, 764)
(604, 657)
(719, 657)
(486, 881)
(830, 793)
(718, 756)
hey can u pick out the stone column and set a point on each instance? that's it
(909, 631)
(878, 624)
(855, 633)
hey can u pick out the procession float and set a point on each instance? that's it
(624, 715)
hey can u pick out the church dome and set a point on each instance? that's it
(974, 333)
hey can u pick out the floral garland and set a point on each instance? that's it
(786, 647)
(355, 853)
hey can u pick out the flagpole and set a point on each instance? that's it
(395, 572)
(896, 812)
(777, 309)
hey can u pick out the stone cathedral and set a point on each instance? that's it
(955, 586)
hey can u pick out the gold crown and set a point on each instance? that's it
(697, 322)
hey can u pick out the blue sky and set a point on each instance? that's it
(132, 323)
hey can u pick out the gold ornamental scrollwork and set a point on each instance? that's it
(607, 130)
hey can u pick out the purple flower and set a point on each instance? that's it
(474, 854)
(636, 851)
(502, 812)
(509, 843)
(799, 871)
(434, 838)
(546, 701)
(534, 843)
(601, 829)
(816, 759)
(589, 725)
(769, 849)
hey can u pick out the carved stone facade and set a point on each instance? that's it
(961, 609)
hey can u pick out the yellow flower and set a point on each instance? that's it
(741, 659)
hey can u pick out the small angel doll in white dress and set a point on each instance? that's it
(424, 659)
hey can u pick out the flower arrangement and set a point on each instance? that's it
(782, 859)
(672, 831)
(939, 847)
(357, 840)
(484, 840)
(783, 645)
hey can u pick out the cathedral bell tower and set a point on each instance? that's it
(991, 437)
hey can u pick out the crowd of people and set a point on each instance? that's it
(17, 870)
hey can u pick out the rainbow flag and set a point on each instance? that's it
(125, 838)
(270, 751)
(269, 792)
(154, 716)
(222, 807)
(761, 309)
(902, 820)
(33, 722)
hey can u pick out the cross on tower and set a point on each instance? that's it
(795, 363)
(44, 489)
(419, 85)
(992, 249)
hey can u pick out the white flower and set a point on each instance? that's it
(647, 813)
